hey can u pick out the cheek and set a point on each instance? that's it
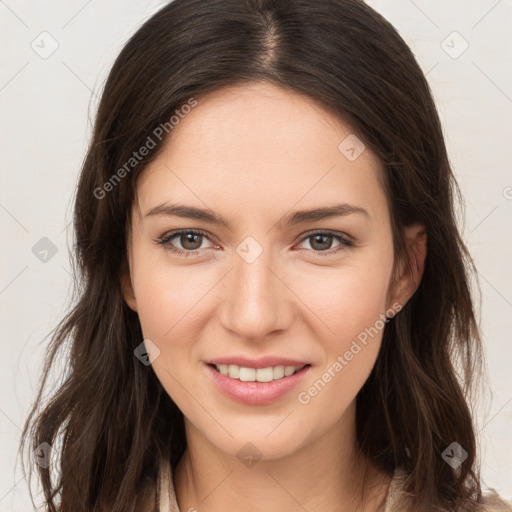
(325, 398)
(349, 307)
(344, 302)
(167, 297)
(169, 301)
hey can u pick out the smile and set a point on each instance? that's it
(256, 386)
(246, 374)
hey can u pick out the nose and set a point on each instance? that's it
(256, 301)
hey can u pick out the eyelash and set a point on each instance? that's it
(165, 241)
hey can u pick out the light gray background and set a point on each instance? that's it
(47, 106)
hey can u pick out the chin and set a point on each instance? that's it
(251, 444)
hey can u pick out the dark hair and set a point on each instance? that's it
(111, 418)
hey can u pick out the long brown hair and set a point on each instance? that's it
(110, 421)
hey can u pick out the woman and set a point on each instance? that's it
(273, 289)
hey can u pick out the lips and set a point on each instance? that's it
(253, 392)
(261, 362)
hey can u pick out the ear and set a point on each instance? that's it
(412, 271)
(127, 289)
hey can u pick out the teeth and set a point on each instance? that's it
(257, 375)
(247, 374)
(278, 372)
(265, 374)
(223, 368)
(289, 370)
(234, 371)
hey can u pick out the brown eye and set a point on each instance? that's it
(190, 241)
(321, 242)
(184, 242)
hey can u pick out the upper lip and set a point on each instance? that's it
(261, 362)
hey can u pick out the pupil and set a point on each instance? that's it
(189, 238)
(322, 245)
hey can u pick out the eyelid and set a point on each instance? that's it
(166, 238)
(345, 241)
(313, 232)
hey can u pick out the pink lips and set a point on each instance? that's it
(261, 362)
(255, 393)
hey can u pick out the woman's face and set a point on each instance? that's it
(262, 285)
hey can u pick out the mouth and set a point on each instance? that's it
(248, 374)
(256, 386)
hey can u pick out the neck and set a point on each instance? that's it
(328, 474)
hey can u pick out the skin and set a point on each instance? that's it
(253, 154)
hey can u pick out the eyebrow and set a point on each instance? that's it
(291, 219)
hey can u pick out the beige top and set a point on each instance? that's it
(168, 502)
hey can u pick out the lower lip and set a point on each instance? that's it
(256, 393)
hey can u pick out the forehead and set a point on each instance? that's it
(261, 148)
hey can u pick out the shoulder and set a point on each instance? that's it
(397, 500)
(493, 503)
